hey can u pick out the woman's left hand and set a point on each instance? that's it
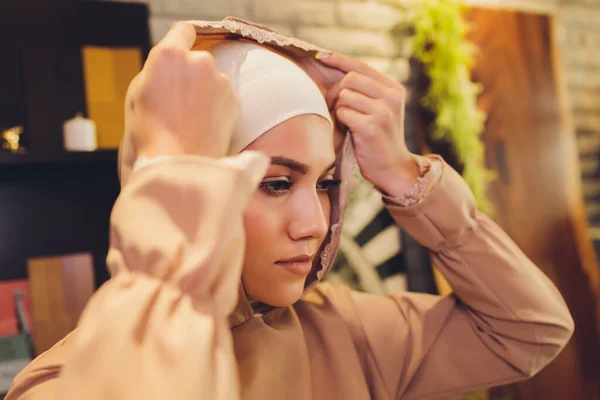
(372, 107)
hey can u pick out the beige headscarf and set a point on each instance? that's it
(271, 89)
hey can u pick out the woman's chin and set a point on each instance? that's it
(277, 295)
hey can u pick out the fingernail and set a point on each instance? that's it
(321, 55)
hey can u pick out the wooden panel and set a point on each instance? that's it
(59, 289)
(537, 203)
(108, 72)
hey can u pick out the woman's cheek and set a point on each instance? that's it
(260, 228)
(326, 206)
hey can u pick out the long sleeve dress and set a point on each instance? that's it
(173, 323)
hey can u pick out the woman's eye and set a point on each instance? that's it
(328, 184)
(275, 188)
(280, 187)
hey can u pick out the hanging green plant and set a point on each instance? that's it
(439, 42)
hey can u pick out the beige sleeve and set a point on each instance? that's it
(504, 321)
(158, 328)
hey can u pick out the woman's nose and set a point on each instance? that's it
(308, 220)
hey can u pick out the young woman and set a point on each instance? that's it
(216, 260)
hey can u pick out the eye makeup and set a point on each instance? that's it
(280, 186)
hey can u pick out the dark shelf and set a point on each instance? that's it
(57, 158)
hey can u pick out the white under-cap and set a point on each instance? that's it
(271, 88)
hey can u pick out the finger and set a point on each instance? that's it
(253, 163)
(351, 118)
(348, 64)
(356, 101)
(182, 36)
(201, 62)
(359, 83)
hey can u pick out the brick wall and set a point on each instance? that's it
(579, 40)
(358, 28)
(361, 28)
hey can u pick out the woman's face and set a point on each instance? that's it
(288, 217)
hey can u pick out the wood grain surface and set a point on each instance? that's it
(538, 195)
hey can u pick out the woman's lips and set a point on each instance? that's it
(300, 266)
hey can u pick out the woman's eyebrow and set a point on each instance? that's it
(332, 166)
(296, 165)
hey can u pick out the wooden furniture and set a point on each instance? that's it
(59, 289)
(51, 201)
(538, 197)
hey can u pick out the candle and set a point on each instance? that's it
(79, 134)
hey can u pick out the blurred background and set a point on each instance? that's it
(508, 92)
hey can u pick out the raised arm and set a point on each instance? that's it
(504, 321)
(158, 328)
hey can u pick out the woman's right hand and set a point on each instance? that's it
(181, 103)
